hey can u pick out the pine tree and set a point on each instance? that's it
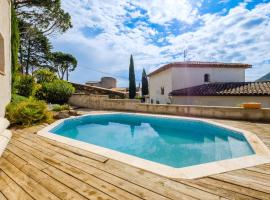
(132, 82)
(144, 83)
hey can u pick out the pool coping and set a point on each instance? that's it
(261, 156)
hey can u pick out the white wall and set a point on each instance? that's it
(5, 79)
(162, 79)
(219, 100)
(188, 77)
(180, 77)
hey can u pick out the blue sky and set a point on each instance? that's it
(106, 32)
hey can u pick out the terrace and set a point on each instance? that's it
(34, 167)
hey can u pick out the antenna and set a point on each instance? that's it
(185, 54)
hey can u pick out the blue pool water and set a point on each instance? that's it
(174, 142)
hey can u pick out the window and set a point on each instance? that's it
(2, 55)
(157, 102)
(206, 78)
(162, 90)
(152, 101)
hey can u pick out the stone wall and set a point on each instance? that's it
(104, 103)
(87, 89)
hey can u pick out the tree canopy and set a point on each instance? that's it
(45, 15)
(36, 20)
(63, 64)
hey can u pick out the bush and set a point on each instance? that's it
(44, 75)
(58, 107)
(25, 85)
(15, 98)
(56, 92)
(28, 112)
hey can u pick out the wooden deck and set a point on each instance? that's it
(34, 167)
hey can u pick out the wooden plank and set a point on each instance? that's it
(55, 187)
(79, 186)
(2, 197)
(154, 182)
(95, 180)
(241, 181)
(230, 190)
(26, 156)
(76, 154)
(29, 185)
(10, 189)
(255, 177)
(68, 148)
(175, 189)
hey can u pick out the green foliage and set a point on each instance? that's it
(58, 107)
(15, 43)
(132, 81)
(25, 85)
(38, 19)
(44, 75)
(145, 90)
(15, 98)
(28, 112)
(57, 91)
(63, 63)
(46, 15)
(35, 48)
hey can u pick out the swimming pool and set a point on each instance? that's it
(171, 146)
(173, 142)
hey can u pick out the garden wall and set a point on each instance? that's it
(99, 102)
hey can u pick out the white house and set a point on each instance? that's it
(205, 83)
(5, 55)
(5, 70)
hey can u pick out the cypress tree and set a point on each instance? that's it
(132, 82)
(144, 83)
(15, 42)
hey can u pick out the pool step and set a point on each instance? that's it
(222, 148)
(238, 147)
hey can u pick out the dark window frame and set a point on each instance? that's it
(206, 78)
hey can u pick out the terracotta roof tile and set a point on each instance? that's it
(226, 89)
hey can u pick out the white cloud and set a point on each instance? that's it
(162, 11)
(235, 37)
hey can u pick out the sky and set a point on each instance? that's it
(106, 32)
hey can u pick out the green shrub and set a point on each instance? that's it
(15, 98)
(56, 92)
(44, 75)
(28, 112)
(25, 85)
(58, 107)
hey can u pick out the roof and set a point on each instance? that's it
(226, 89)
(200, 64)
(264, 78)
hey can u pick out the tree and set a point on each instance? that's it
(15, 43)
(63, 64)
(145, 90)
(34, 49)
(45, 15)
(132, 81)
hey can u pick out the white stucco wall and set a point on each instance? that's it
(219, 100)
(188, 77)
(163, 79)
(5, 79)
(180, 77)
